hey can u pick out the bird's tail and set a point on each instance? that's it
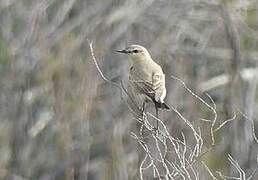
(163, 105)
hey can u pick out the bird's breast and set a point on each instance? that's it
(144, 72)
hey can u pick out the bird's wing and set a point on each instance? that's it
(158, 80)
(155, 89)
(142, 85)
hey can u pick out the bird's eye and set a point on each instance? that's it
(135, 51)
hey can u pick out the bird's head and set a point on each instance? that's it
(136, 53)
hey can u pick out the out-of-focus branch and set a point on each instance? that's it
(60, 16)
(5, 174)
(252, 123)
(216, 53)
(234, 41)
(246, 74)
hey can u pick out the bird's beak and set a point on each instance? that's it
(122, 51)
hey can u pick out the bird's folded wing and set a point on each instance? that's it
(143, 86)
(155, 88)
(158, 85)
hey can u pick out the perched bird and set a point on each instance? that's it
(146, 77)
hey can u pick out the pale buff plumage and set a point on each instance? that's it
(146, 76)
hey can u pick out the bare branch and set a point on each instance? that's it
(209, 171)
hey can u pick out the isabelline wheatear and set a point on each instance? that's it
(146, 77)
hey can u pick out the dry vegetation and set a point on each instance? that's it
(63, 118)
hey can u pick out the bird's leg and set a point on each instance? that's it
(143, 118)
(157, 116)
(143, 107)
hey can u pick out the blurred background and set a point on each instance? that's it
(60, 120)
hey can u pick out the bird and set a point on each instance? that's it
(146, 77)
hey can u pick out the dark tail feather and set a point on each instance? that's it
(165, 106)
(162, 105)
